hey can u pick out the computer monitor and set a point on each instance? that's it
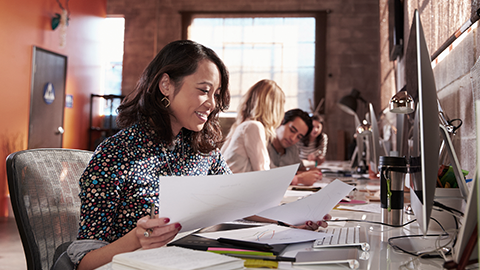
(375, 150)
(426, 136)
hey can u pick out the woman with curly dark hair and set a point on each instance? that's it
(170, 127)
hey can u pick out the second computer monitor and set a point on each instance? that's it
(375, 149)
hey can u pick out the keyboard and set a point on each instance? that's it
(343, 237)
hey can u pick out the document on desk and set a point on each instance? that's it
(313, 207)
(201, 201)
(174, 258)
(271, 234)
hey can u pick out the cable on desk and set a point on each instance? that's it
(447, 208)
(373, 222)
(425, 255)
(454, 212)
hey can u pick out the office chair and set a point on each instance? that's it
(43, 185)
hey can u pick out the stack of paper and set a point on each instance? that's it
(174, 258)
(208, 200)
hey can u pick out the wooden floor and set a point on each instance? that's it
(11, 250)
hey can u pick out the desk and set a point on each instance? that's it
(381, 255)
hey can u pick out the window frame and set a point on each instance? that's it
(320, 38)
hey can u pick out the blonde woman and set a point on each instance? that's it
(259, 114)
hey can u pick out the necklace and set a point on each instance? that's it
(171, 149)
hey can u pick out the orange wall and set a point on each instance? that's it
(26, 24)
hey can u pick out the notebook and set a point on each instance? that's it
(344, 237)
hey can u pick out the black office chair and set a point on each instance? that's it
(43, 185)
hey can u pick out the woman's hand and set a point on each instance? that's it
(313, 226)
(312, 157)
(159, 234)
(320, 159)
(156, 232)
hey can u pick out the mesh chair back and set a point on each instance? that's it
(43, 185)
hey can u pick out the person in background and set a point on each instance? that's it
(259, 114)
(314, 146)
(283, 150)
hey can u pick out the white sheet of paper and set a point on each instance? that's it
(297, 193)
(369, 207)
(269, 234)
(201, 201)
(313, 207)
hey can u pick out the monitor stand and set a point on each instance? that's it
(455, 163)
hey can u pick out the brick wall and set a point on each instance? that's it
(454, 76)
(352, 46)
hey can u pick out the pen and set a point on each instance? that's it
(306, 188)
(280, 223)
(248, 244)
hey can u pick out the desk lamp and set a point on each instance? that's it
(363, 133)
(402, 103)
(348, 104)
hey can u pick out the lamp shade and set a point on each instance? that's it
(402, 103)
(348, 103)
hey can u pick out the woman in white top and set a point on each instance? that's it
(259, 114)
(314, 147)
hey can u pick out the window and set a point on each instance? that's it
(280, 48)
(112, 53)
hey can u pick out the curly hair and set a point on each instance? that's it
(177, 59)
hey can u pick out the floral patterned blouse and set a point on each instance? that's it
(122, 178)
